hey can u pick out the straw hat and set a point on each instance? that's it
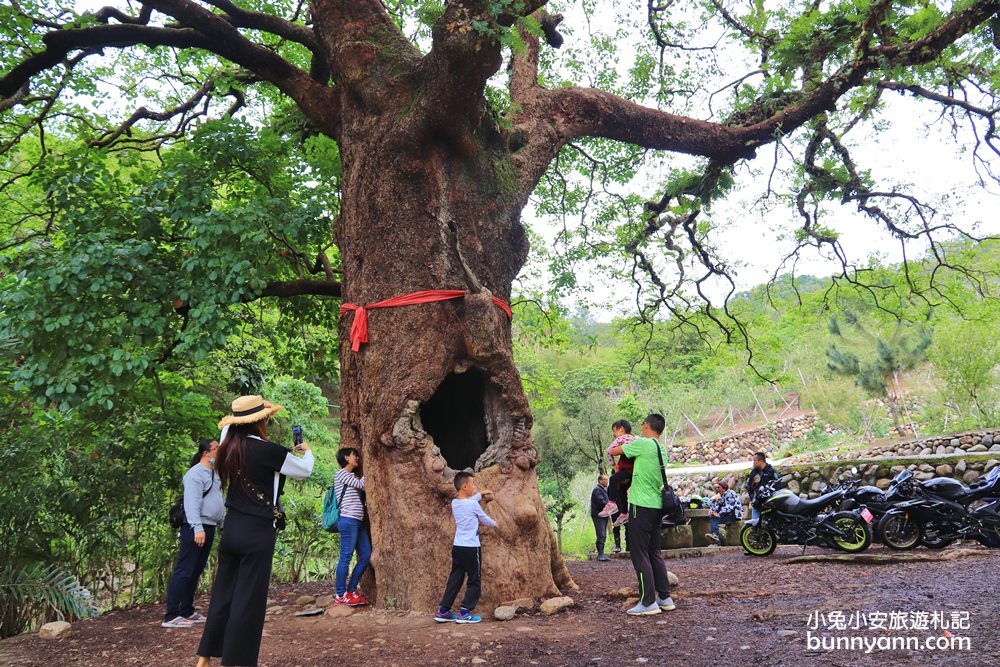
(247, 409)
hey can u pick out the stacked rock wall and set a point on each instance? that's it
(956, 444)
(740, 446)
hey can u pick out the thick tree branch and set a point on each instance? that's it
(464, 54)
(60, 43)
(285, 289)
(242, 18)
(302, 287)
(369, 55)
(316, 100)
(205, 30)
(524, 68)
(524, 63)
(551, 118)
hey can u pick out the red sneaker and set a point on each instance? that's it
(355, 600)
(342, 599)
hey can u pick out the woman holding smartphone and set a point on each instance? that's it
(253, 470)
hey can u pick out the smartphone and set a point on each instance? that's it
(297, 435)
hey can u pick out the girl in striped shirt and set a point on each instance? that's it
(349, 487)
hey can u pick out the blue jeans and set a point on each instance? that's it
(715, 522)
(191, 561)
(353, 536)
(754, 514)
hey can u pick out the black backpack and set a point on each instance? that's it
(176, 513)
(673, 508)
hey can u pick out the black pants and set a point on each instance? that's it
(465, 562)
(239, 595)
(644, 542)
(601, 528)
(618, 486)
(191, 561)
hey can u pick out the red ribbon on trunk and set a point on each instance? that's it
(359, 329)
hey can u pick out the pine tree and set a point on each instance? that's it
(880, 375)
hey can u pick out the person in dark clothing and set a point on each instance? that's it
(598, 500)
(761, 473)
(253, 469)
(616, 533)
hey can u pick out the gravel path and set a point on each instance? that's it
(730, 609)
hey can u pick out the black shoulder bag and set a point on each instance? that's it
(673, 510)
(176, 515)
(251, 490)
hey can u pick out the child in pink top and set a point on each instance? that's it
(620, 481)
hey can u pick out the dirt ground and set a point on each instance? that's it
(730, 609)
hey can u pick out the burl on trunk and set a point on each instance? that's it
(436, 390)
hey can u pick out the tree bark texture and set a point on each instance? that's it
(428, 212)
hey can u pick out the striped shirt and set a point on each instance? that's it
(351, 505)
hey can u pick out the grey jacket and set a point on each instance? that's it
(207, 511)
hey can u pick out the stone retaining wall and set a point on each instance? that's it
(958, 444)
(740, 446)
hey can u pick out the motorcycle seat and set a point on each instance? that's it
(816, 504)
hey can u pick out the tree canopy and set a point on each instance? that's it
(191, 151)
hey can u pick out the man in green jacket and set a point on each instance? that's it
(645, 513)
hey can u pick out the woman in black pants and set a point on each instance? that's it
(254, 470)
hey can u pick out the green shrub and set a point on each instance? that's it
(33, 594)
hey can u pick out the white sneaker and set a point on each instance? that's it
(665, 604)
(179, 622)
(641, 610)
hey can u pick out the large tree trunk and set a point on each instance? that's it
(436, 390)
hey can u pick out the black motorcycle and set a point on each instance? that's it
(788, 519)
(872, 498)
(939, 511)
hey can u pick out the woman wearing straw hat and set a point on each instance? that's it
(254, 471)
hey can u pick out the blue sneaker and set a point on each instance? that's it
(444, 616)
(467, 617)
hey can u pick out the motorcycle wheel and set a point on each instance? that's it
(896, 533)
(990, 537)
(858, 536)
(758, 542)
(932, 541)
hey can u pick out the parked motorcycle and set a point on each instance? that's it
(786, 518)
(872, 498)
(937, 512)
